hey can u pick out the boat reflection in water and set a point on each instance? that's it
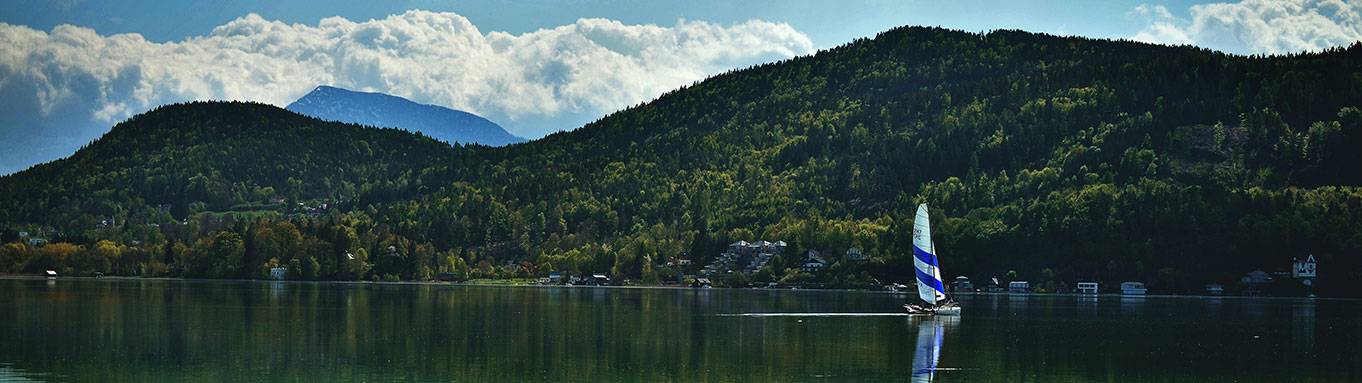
(931, 332)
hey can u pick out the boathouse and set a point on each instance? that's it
(962, 284)
(1133, 288)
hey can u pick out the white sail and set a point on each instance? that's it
(929, 286)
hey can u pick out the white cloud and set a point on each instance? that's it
(588, 68)
(1257, 26)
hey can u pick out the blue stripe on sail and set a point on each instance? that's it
(929, 280)
(924, 256)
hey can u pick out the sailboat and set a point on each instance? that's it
(929, 286)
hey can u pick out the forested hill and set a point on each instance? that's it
(1049, 159)
(216, 156)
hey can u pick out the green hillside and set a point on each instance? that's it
(1055, 159)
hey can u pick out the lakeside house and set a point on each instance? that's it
(855, 255)
(1215, 289)
(962, 283)
(1255, 282)
(1019, 287)
(1087, 287)
(278, 273)
(680, 260)
(1256, 277)
(744, 257)
(1304, 268)
(1133, 288)
(758, 261)
(814, 262)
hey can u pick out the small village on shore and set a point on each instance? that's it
(748, 265)
(773, 265)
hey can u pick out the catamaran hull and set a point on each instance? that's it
(948, 311)
(951, 310)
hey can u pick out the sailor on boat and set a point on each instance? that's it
(929, 287)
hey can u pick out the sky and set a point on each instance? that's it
(70, 69)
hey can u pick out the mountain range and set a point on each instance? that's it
(1044, 158)
(388, 111)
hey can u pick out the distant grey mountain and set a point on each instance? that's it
(383, 110)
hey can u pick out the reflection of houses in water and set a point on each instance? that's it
(277, 289)
(1132, 305)
(9, 373)
(1254, 309)
(1016, 303)
(1303, 327)
(1087, 303)
(931, 332)
(1087, 300)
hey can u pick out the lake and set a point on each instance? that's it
(173, 330)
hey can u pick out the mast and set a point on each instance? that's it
(929, 287)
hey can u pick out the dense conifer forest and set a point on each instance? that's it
(1044, 158)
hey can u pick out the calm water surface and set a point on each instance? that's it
(157, 330)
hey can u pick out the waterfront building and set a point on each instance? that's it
(1255, 282)
(814, 262)
(855, 255)
(744, 257)
(1133, 288)
(962, 284)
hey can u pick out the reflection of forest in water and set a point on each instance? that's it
(139, 330)
(230, 330)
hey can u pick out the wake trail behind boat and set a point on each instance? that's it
(814, 315)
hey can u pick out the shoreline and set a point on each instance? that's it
(663, 287)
